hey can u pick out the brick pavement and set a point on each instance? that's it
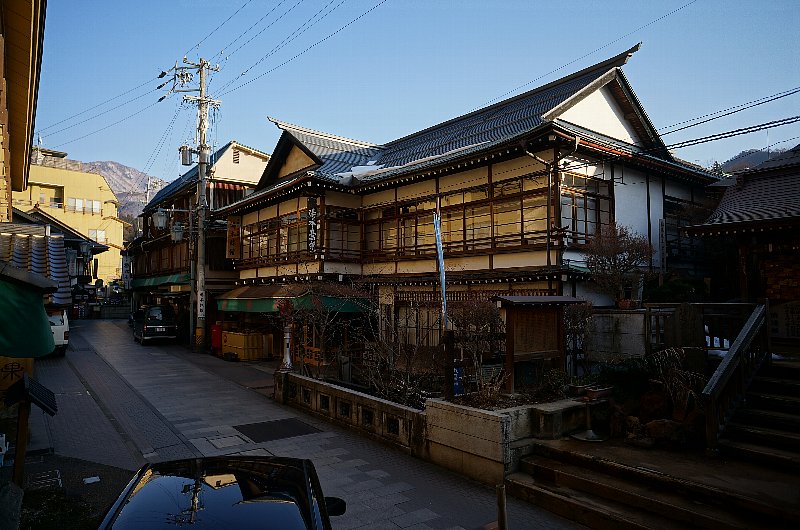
(159, 401)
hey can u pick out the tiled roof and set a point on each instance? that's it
(759, 197)
(489, 125)
(337, 153)
(190, 177)
(787, 158)
(476, 131)
(180, 183)
(37, 254)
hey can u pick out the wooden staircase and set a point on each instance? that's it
(607, 493)
(766, 427)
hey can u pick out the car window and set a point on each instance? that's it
(56, 320)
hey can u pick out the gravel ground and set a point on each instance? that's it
(68, 503)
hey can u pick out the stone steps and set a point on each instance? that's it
(766, 429)
(604, 493)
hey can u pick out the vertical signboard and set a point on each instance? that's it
(312, 225)
(234, 237)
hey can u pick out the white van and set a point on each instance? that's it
(59, 325)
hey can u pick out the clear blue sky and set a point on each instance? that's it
(406, 65)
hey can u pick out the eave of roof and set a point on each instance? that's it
(24, 36)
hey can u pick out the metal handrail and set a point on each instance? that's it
(726, 387)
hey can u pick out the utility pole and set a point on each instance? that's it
(183, 75)
(202, 206)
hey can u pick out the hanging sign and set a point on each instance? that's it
(312, 225)
(234, 237)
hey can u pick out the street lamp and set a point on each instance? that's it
(176, 232)
(160, 218)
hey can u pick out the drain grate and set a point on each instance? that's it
(275, 430)
(45, 480)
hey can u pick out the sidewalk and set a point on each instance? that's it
(161, 401)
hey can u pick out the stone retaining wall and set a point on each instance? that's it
(480, 444)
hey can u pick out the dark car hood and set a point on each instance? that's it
(221, 492)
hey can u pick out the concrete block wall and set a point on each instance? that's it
(617, 335)
(472, 442)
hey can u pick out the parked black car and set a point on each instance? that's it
(225, 492)
(155, 322)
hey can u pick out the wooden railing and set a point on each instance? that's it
(727, 387)
(709, 326)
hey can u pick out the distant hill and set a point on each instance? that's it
(748, 159)
(128, 184)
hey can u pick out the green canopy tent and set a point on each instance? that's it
(24, 327)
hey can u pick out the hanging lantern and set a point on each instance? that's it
(160, 218)
(177, 232)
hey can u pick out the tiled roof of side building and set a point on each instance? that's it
(338, 154)
(786, 158)
(190, 177)
(759, 198)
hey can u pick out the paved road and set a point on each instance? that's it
(122, 404)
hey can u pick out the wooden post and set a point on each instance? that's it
(502, 516)
(22, 442)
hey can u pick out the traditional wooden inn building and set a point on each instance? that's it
(160, 263)
(522, 185)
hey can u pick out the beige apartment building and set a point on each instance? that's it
(64, 190)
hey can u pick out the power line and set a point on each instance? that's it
(687, 143)
(662, 17)
(362, 15)
(305, 26)
(731, 110)
(217, 28)
(735, 132)
(242, 34)
(96, 115)
(109, 126)
(98, 105)
(749, 152)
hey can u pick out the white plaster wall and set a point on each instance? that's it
(630, 199)
(585, 290)
(469, 263)
(515, 168)
(378, 198)
(600, 112)
(345, 200)
(411, 267)
(267, 272)
(341, 268)
(378, 268)
(465, 179)
(677, 189)
(418, 189)
(526, 259)
(246, 274)
(247, 171)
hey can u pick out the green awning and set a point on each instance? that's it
(24, 328)
(265, 299)
(155, 281)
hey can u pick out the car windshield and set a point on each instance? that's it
(160, 313)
